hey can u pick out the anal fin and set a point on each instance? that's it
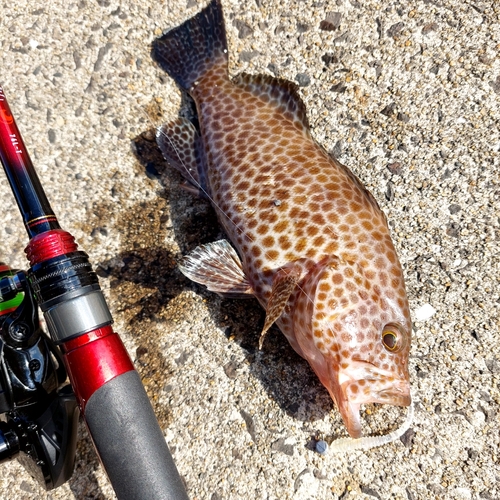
(218, 267)
(181, 146)
(284, 284)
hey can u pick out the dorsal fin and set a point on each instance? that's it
(282, 93)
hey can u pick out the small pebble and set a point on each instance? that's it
(244, 30)
(389, 110)
(495, 85)
(303, 80)
(322, 447)
(329, 58)
(339, 87)
(403, 117)
(247, 56)
(332, 21)
(395, 168)
(302, 27)
(427, 28)
(389, 192)
(395, 29)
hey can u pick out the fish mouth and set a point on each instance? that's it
(396, 397)
(362, 383)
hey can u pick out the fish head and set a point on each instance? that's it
(356, 335)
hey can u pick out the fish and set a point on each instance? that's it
(307, 239)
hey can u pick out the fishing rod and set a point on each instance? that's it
(106, 386)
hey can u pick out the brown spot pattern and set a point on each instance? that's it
(270, 181)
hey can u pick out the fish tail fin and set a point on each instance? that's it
(187, 52)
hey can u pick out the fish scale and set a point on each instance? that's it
(312, 244)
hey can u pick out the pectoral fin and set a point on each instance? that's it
(218, 267)
(284, 283)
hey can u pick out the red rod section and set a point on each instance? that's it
(53, 243)
(93, 359)
(37, 214)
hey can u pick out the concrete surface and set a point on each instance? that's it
(407, 95)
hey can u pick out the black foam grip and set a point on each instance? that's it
(130, 443)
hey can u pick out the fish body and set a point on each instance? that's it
(312, 244)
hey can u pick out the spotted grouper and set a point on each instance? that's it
(312, 244)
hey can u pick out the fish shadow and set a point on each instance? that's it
(286, 376)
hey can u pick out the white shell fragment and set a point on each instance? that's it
(425, 312)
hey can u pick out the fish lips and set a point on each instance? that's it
(364, 383)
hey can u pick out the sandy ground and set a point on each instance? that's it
(407, 95)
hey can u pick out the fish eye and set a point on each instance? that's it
(392, 338)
